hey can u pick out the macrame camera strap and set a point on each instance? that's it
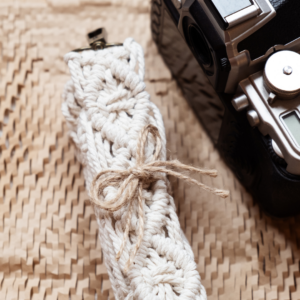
(120, 141)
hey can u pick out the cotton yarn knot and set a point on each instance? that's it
(131, 183)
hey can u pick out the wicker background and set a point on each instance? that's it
(48, 234)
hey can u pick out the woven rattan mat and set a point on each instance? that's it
(48, 234)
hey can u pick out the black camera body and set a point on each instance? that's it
(237, 65)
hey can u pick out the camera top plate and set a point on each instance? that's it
(272, 100)
(230, 7)
(235, 12)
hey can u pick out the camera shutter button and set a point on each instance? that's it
(287, 70)
(282, 74)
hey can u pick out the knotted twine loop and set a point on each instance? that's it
(132, 181)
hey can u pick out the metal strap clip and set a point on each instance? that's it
(97, 41)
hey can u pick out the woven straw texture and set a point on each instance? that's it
(48, 233)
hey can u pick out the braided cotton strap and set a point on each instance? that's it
(106, 108)
(133, 180)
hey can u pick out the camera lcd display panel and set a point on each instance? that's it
(292, 122)
(230, 7)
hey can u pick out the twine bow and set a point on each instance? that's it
(132, 181)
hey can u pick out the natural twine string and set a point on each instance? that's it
(132, 181)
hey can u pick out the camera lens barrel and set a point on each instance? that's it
(199, 45)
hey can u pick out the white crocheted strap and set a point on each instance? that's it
(106, 107)
(107, 97)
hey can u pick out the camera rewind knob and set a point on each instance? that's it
(281, 75)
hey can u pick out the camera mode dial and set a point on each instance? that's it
(282, 74)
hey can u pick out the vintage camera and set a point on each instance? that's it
(238, 66)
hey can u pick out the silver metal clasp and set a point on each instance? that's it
(99, 34)
(97, 41)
